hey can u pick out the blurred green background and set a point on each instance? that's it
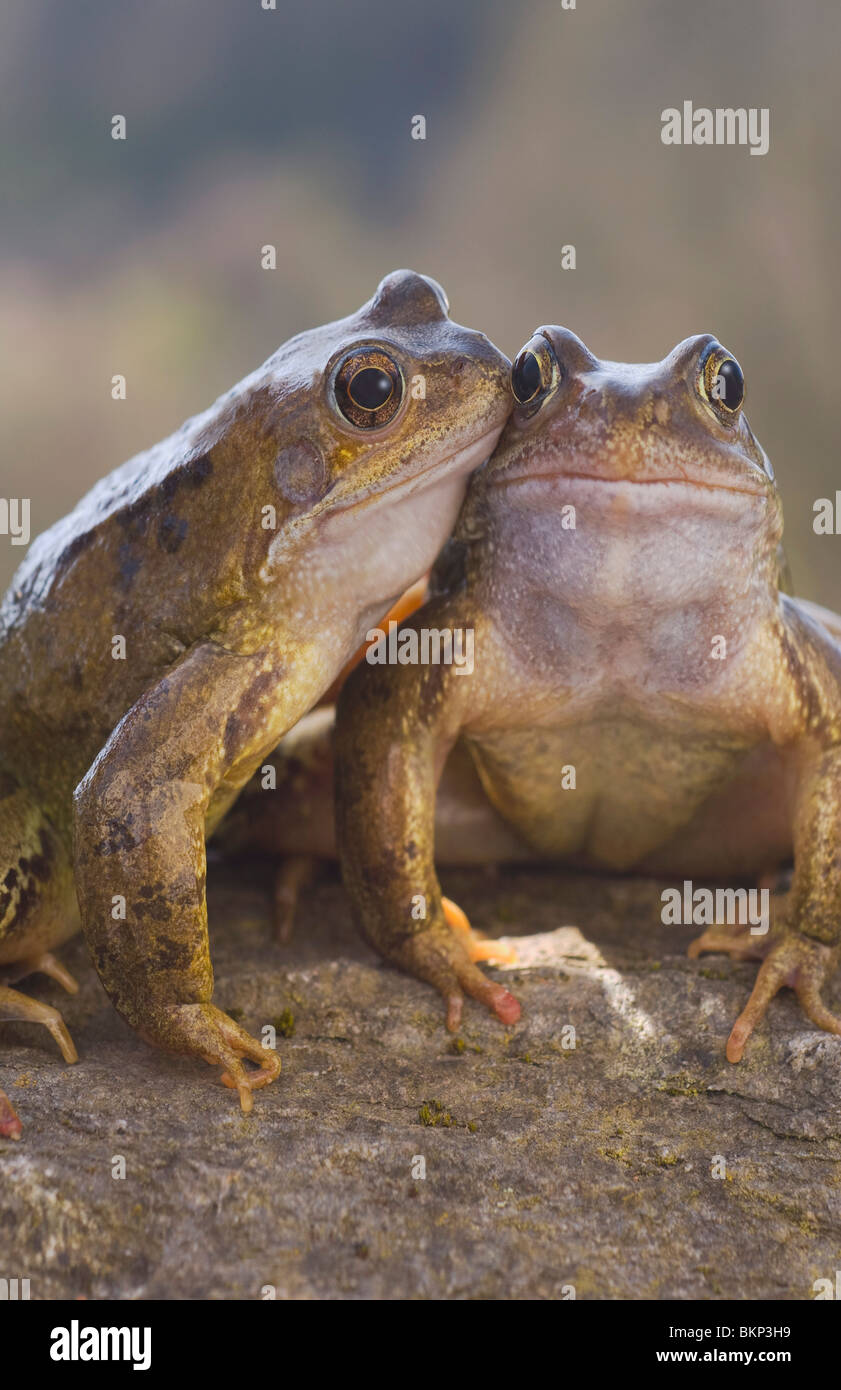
(292, 126)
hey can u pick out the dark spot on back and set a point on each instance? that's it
(197, 470)
(135, 518)
(171, 533)
(129, 563)
(190, 474)
(76, 547)
(41, 864)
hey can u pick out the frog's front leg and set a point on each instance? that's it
(187, 746)
(387, 770)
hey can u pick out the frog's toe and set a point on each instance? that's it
(292, 875)
(44, 964)
(236, 1076)
(14, 1005)
(799, 963)
(815, 1009)
(439, 956)
(10, 1125)
(202, 1030)
(469, 980)
(769, 982)
(478, 947)
(244, 1082)
(735, 941)
(49, 965)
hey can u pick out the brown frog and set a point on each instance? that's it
(157, 642)
(645, 695)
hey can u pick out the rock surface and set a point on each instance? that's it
(546, 1166)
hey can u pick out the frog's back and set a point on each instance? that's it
(140, 558)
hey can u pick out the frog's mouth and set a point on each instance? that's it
(457, 464)
(679, 483)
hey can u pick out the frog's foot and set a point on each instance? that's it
(10, 1125)
(293, 874)
(202, 1030)
(14, 1005)
(478, 947)
(440, 956)
(736, 941)
(17, 1006)
(45, 964)
(803, 965)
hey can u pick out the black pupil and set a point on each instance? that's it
(525, 377)
(730, 384)
(370, 388)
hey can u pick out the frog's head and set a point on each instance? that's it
(383, 414)
(649, 448)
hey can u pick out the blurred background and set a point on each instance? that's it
(248, 126)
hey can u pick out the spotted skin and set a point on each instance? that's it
(157, 642)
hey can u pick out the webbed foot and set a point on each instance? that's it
(789, 959)
(202, 1030)
(444, 958)
(801, 964)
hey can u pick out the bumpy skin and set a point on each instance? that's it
(595, 647)
(112, 772)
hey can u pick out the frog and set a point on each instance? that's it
(158, 641)
(647, 694)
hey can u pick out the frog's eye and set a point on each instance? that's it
(368, 388)
(535, 371)
(724, 382)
